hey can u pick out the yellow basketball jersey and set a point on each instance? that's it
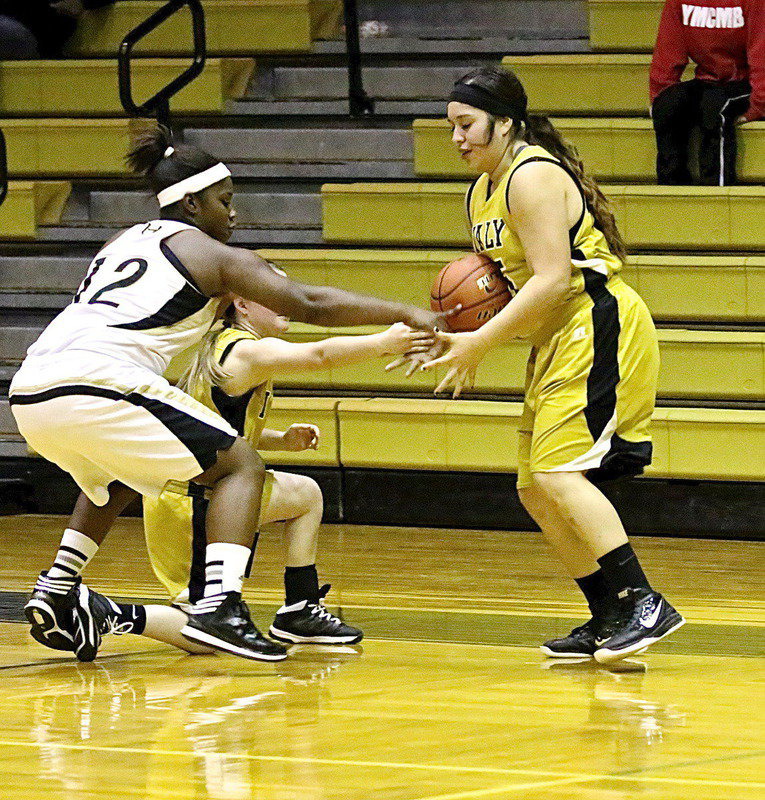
(493, 234)
(247, 412)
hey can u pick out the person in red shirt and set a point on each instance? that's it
(726, 41)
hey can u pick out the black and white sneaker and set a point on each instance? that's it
(582, 641)
(87, 636)
(50, 611)
(229, 628)
(311, 623)
(647, 618)
(108, 616)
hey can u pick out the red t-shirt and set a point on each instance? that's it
(725, 39)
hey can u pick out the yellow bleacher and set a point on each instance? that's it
(721, 288)
(29, 204)
(624, 24)
(695, 364)
(613, 149)
(232, 26)
(480, 435)
(89, 87)
(650, 217)
(43, 147)
(584, 84)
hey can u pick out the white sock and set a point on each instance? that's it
(225, 565)
(74, 552)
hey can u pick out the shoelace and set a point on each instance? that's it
(322, 613)
(117, 628)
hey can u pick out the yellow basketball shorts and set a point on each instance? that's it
(174, 527)
(591, 389)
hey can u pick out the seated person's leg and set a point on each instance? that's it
(721, 105)
(674, 114)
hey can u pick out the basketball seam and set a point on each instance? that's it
(485, 300)
(452, 291)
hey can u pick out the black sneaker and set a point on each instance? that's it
(230, 629)
(108, 616)
(579, 643)
(647, 618)
(311, 623)
(582, 641)
(50, 611)
(87, 636)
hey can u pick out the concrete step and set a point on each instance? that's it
(27, 274)
(262, 209)
(552, 19)
(341, 170)
(463, 43)
(334, 108)
(87, 234)
(418, 82)
(319, 145)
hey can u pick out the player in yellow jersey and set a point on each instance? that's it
(232, 374)
(591, 380)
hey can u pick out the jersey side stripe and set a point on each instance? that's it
(184, 303)
(178, 264)
(202, 439)
(604, 373)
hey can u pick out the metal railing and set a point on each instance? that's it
(159, 104)
(359, 103)
(3, 168)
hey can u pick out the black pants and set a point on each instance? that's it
(713, 107)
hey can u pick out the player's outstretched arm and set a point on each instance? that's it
(252, 362)
(219, 269)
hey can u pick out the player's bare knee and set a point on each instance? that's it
(240, 459)
(309, 495)
(551, 487)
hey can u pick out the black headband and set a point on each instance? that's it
(478, 97)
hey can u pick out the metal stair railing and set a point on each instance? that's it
(159, 104)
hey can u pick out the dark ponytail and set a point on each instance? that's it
(147, 156)
(502, 91)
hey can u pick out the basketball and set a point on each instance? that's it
(475, 282)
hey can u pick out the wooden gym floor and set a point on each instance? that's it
(447, 700)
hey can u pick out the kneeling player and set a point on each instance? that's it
(232, 374)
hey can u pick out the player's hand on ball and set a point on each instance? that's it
(431, 320)
(464, 353)
(300, 436)
(400, 338)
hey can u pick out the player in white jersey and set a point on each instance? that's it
(90, 395)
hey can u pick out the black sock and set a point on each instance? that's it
(128, 614)
(301, 583)
(595, 589)
(622, 570)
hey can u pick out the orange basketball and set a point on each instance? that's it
(475, 282)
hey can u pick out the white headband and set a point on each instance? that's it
(195, 183)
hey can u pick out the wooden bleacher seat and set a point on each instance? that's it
(89, 87)
(613, 149)
(232, 27)
(430, 434)
(729, 288)
(650, 217)
(66, 147)
(453, 435)
(29, 204)
(624, 25)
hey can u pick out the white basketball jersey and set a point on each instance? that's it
(137, 304)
